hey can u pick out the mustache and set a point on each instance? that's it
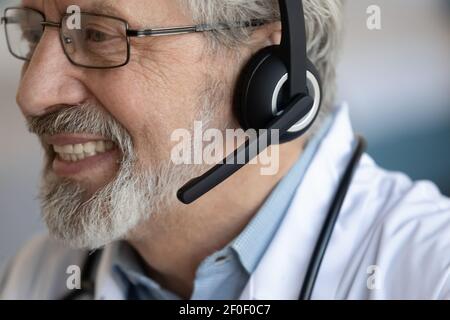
(86, 118)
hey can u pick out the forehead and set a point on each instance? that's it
(137, 11)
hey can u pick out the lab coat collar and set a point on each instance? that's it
(282, 268)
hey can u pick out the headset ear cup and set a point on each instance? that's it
(254, 91)
(315, 91)
(259, 93)
(313, 70)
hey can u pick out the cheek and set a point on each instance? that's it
(148, 107)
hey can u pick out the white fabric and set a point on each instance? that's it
(388, 224)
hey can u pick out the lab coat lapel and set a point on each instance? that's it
(281, 270)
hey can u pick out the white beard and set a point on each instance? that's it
(106, 216)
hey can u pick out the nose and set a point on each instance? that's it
(49, 79)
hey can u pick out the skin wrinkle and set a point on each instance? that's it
(169, 83)
(150, 58)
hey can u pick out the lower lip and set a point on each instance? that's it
(67, 168)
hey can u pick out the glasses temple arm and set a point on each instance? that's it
(192, 29)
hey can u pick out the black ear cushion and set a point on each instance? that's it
(253, 97)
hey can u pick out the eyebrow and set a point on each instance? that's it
(105, 7)
(109, 8)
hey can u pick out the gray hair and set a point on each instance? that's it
(323, 29)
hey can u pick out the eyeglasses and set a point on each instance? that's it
(98, 42)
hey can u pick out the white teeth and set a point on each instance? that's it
(79, 152)
(78, 149)
(67, 149)
(100, 147)
(89, 147)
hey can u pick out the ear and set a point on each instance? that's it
(267, 35)
(275, 33)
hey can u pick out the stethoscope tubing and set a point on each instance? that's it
(330, 221)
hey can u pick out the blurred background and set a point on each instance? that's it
(396, 81)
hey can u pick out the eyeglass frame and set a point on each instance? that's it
(130, 33)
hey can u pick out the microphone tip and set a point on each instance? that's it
(181, 195)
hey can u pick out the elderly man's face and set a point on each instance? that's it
(107, 132)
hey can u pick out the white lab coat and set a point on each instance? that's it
(391, 241)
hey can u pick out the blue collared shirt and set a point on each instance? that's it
(224, 274)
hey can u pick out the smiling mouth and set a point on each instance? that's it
(82, 151)
(82, 156)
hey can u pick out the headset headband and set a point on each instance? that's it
(293, 45)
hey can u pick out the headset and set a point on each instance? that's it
(279, 89)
